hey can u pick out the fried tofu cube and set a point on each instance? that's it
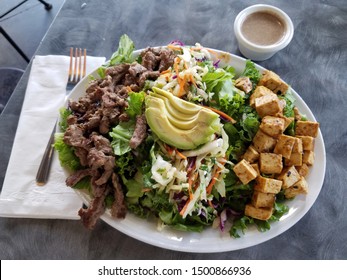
(298, 148)
(295, 159)
(267, 105)
(289, 176)
(263, 142)
(297, 114)
(300, 187)
(256, 168)
(270, 163)
(245, 172)
(244, 84)
(307, 142)
(259, 92)
(272, 126)
(308, 158)
(258, 213)
(251, 154)
(272, 81)
(285, 146)
(307, 128)
(287, 121)
(260, 199)
(283, 104)
(303, 169)
(267, 185)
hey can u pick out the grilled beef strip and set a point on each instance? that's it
(96, 207)
(140, 132)
(77, 176)
(119, 208)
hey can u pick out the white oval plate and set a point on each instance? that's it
(213, 240)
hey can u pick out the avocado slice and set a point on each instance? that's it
(179, 120)
(180, 123)
(178, 114)
(178, 103)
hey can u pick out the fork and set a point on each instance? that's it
(77, 70)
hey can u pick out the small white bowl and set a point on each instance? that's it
(262, 52)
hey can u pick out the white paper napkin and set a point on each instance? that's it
(45, 94)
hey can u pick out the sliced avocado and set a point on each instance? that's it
(178, 103)
(178, 114)
(178, 124)
(182, 139)
(180, 120)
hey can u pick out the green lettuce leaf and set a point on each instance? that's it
(134, 188)
(215, 80)
(251, 72)
(124, 54)
(135, 104)
(64, 114)
(84, 184)
(280, 210)
(240, 225)
(288, 111)
(121, 135)
(66, 154)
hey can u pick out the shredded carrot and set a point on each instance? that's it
(176, 61)
(181, 83)
(191, 181)
(192, 80)
(173, 47)
(210, 203)
(212, 51)
(166, 76)
(129, 89)
(214, 178)
(222, 114)
(182, 156)
(171, 150)
(212, 182)
(146, 190)
(165, 71)
(168, 149)
(190, 189)
(184, 208)
(195, 48)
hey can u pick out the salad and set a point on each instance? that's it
(171, 134)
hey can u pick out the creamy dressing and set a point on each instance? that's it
(263, 28)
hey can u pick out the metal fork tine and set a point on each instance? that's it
(71, 65)
(79, 69)
(85, 63)
(76, 63)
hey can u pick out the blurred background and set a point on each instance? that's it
(24, 23)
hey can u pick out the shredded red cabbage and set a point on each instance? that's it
(200, 59)
(223, 218)
(176, 42)
(216, 64)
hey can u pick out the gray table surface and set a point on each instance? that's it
(315, 64)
